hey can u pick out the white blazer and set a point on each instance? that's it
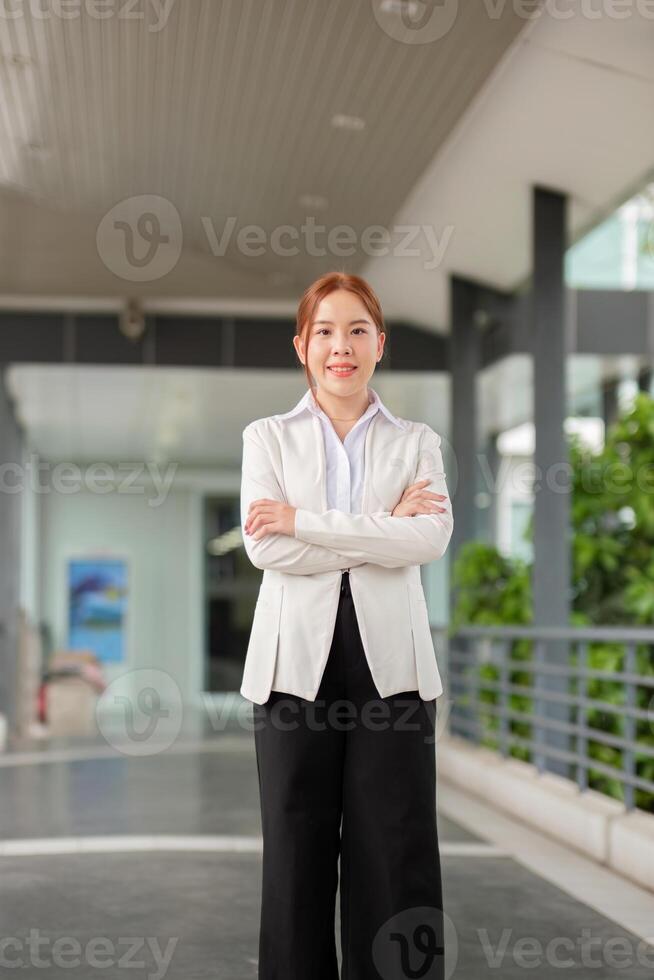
(295, 614)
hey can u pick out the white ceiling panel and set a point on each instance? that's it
(224, 110)
(569, 108)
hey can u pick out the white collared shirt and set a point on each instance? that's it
(344, 459)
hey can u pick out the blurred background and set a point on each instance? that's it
(173, 175)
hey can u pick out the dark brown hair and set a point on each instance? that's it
(316, 292)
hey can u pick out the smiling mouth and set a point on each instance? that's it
(343, 372)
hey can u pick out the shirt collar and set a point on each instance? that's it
(308, 403)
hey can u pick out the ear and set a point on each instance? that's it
(299, 347)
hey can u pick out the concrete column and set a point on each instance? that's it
(552, 534)
(610, 401)
(489, 485)
(10, 513)
(465, 361)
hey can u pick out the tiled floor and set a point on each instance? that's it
(184, 913)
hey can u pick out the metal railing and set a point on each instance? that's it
(530, 692)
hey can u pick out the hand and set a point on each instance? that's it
(269, 517)
(415, 501)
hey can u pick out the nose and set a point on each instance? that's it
(342, 346)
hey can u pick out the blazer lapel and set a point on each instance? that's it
(368, 456)
(312, 475)
(305, 462)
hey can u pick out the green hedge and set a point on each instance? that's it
(613, 585)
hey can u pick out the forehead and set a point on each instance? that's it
(339, 305)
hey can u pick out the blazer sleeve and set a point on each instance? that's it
(381, 538)
(278, 551)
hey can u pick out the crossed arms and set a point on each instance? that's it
(335, 539)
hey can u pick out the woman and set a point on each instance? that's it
(341, 503)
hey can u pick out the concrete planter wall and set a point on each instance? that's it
(588, 821)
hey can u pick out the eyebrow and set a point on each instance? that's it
(331, 322)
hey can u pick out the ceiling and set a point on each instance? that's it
(209, 113)
(569, 109)
(211, 116)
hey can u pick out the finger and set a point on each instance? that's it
(250, 518)
(253, 524)
(429, 507)
(262, 516)
(258, 529)
(413, 487)
(271, 527)
(413, 493)
(257, 511)
(261, 500)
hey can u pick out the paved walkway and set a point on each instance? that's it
(109, 861)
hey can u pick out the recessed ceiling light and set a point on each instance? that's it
(341, 121)
(313, 201)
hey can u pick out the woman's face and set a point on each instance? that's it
(342, 331)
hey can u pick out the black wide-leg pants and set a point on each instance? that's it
(350, 776)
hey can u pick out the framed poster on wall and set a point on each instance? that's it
(97, 607)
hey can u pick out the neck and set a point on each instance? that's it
(342, 406)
